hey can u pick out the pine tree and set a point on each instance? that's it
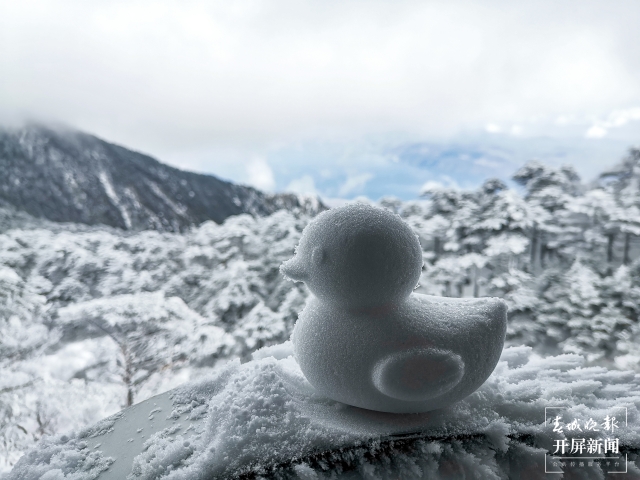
(623, 183)
(549, 191)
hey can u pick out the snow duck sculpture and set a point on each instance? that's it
(364, 338)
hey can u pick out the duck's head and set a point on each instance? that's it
(357, 256)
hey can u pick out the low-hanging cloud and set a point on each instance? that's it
(616, 119)
(260, 174)
(304, 185)
(354, 183)
(165, 76)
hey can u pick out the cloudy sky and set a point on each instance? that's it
(340, 98)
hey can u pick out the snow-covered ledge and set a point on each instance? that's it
(263, 417)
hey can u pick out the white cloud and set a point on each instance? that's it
(485, 162)
(260, 175)
(166, 76)
(354, 183)
(445, 182)
(596, 131)
(309, 85)
(619, 118)
(432, 185)
(516, 130)
(304, 185)
(616, 119)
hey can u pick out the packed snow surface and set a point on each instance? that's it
(263, 415)
(365, 339)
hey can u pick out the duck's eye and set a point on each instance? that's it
(318, 256)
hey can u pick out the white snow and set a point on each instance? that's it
(180, 210)
(255, 416)
(86, 311)
(565, 295)
(111, 193)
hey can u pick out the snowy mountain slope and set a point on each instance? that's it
(69, 176)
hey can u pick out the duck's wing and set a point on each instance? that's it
(473, 328)
(418, 374)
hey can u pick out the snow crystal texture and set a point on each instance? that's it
(364, 338)
(264, 418)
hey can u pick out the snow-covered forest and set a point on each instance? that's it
(94, 319)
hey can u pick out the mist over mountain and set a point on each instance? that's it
(69, 176)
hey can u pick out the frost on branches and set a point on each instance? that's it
(93, 319)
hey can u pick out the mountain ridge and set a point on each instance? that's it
(65, 175)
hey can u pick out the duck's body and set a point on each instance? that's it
(364, 338)
(423, 354)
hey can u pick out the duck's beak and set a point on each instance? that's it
(294, 269)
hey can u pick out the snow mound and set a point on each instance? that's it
(61, 458)
(264, 418)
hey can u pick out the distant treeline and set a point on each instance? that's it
(564, 254)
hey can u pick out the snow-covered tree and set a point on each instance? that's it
(100, 318)
(548, 191)
(623, 183)
(151, 333)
